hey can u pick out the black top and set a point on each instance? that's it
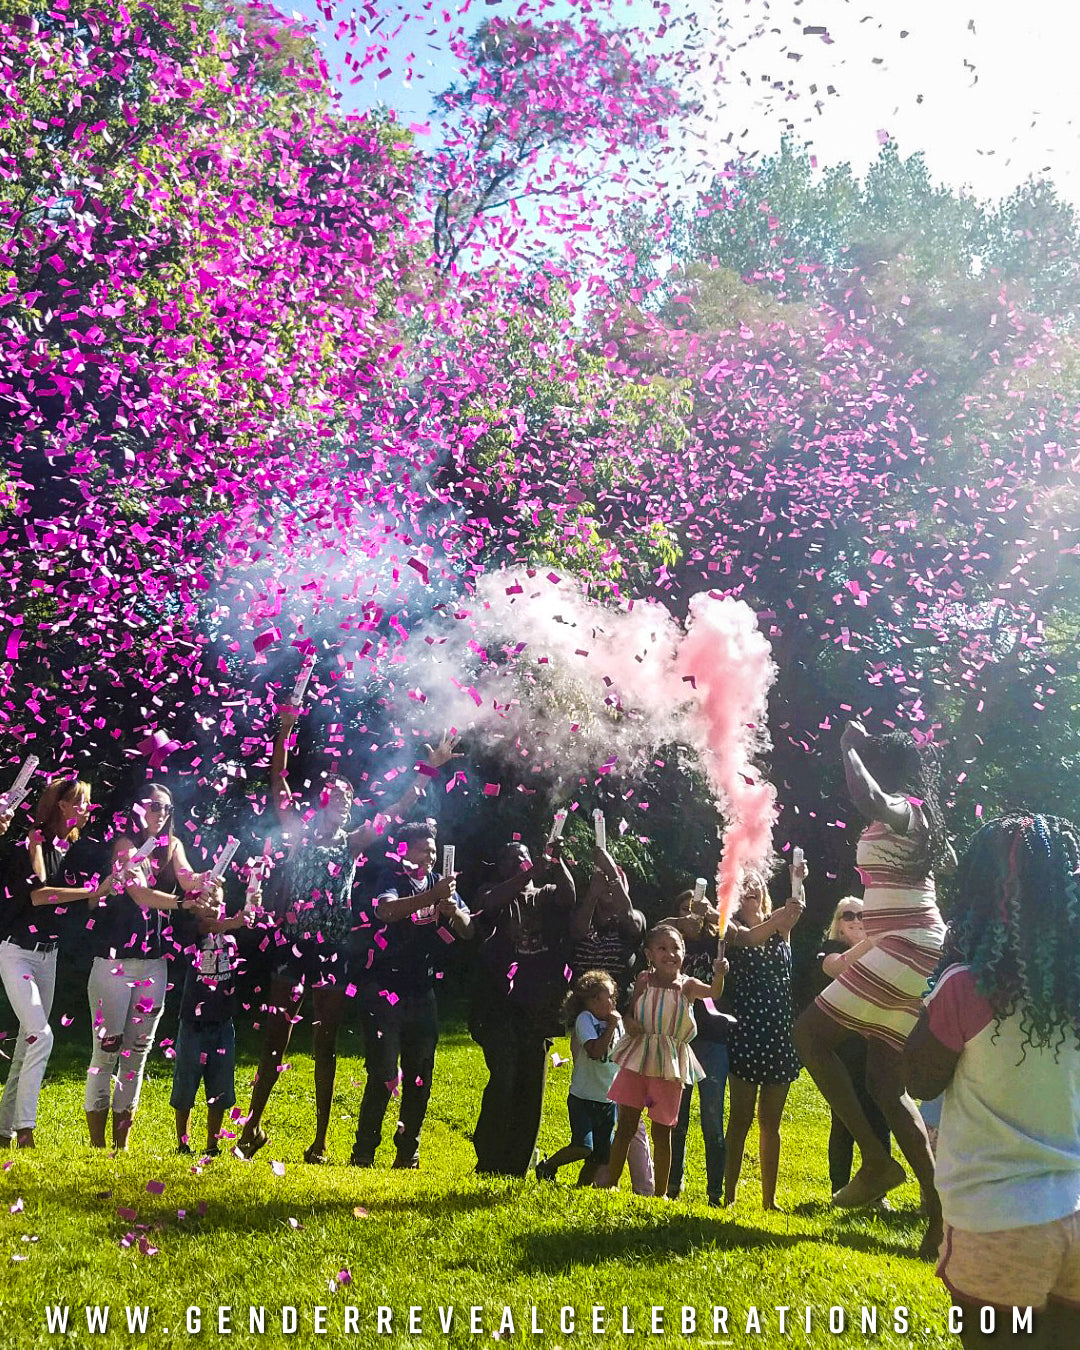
(524, 953)
(21, 921)
(407, 956)
(712, 1018)
(831, 946)
(209, 995)
(123, 928)
(605, 948)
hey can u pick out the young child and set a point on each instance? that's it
(654, 1057)
(206, 1041)
(590, 1010)
(1000, 1035)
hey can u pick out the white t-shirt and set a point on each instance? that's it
(591, 1077)
(1009, 1142)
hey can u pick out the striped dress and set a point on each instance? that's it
(881, 994)
(664, 1050)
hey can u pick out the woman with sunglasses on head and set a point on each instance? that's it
(29, 925)
(131, 939)
(313, 889)
(845, 942)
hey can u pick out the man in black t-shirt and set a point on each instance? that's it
(524, 924)
(417, 916)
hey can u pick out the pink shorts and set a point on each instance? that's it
(661, 1097)
(1014, 1267)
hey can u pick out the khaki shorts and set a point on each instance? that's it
(1014, 1267)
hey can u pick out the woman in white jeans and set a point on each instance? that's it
(30, 933)
(129, 978)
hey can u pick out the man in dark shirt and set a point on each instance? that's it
(523, 919)
(417, 915)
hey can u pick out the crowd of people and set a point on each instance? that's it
(984, 1013)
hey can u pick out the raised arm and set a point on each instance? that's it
(555, 872)
(869, 800)
(364, 836)
(284, 802)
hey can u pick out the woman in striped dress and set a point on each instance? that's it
(893, 784)
(654, 1057)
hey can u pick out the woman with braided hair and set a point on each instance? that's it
(1000, 1036)
(893, 784)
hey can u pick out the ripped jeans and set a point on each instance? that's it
(126, 1001)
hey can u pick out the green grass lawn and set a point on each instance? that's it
(82, 1228)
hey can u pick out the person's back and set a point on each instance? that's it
(999, 1036)
(1009, 1141)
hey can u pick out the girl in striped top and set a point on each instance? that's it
(654, 1057)
(893, 784)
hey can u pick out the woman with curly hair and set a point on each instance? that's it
(893, 784)
(1000, 1036)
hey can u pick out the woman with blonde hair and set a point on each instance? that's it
(30, 937)
(762, 1058)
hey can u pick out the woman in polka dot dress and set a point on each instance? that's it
(762, 1056)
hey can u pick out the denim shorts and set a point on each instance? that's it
(205, 1053)
(592, 1125)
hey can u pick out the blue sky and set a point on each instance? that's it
(983, 89)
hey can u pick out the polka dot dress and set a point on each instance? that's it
(759, 982)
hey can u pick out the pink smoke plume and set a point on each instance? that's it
(729, 663)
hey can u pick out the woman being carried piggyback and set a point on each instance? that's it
(1000, 1035)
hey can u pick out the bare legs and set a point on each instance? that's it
(769, 1100)
(816, 1038)
(328, 1004)
(329, 1007)
(625, 1129)
(281, 1007)
(215, 1120)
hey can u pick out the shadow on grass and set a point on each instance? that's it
(271, 1214)
(559, 1251)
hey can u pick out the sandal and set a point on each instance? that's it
(247, 1148)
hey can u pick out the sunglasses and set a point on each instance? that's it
(851, 915)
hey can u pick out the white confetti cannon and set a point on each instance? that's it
(142, 853)
(558, 825)
(699, 895)
(258, 871)
(600, 828)
(797, 881)
(21, 786)
(296, 698)
(224, 858)
(448, 860)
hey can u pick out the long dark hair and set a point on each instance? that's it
(1015, 921)
(901, 766)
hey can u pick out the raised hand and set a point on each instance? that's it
(445, 751)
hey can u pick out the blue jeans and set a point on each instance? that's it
(713, 1057)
